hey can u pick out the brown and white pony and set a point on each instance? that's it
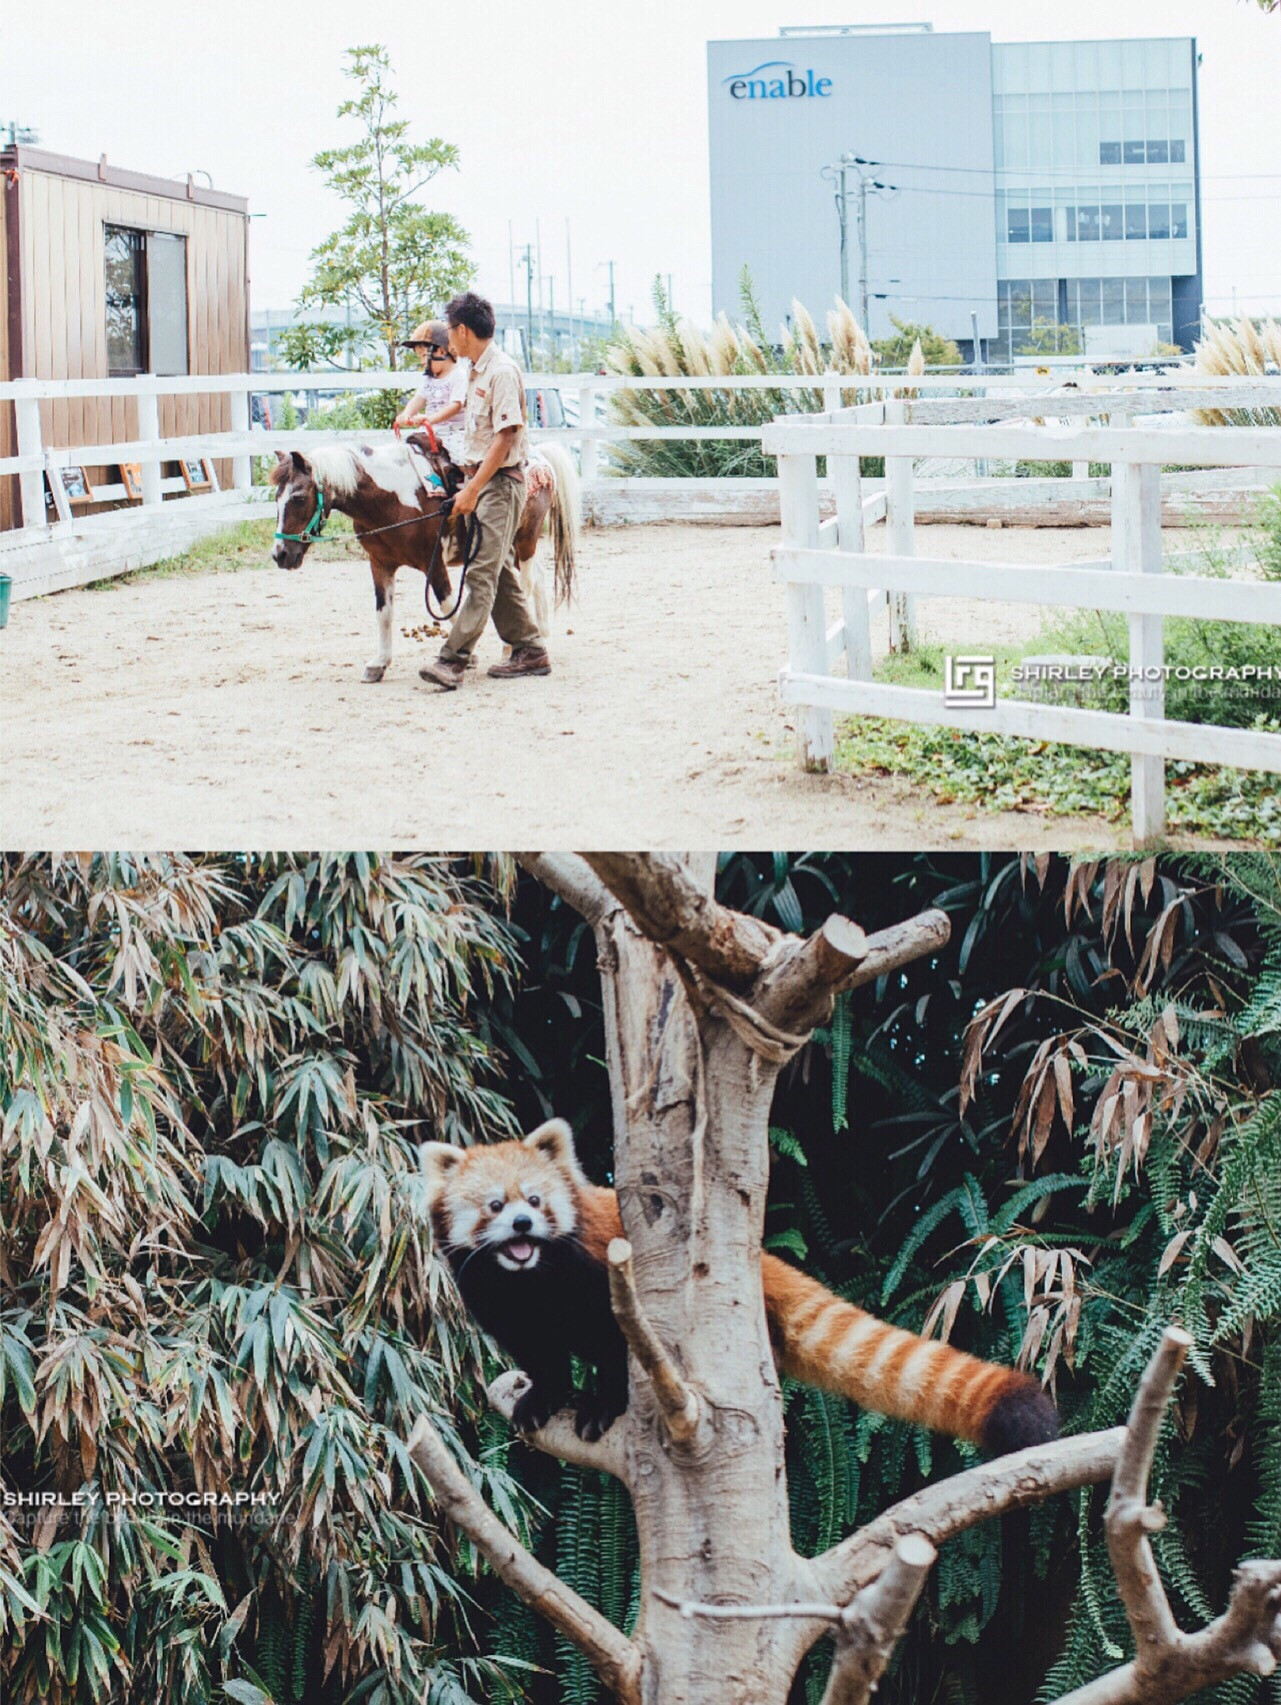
(382, 492)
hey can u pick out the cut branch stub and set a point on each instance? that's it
(1129, 1517)
(677, 1402)
(797, 990)
(872, 1624)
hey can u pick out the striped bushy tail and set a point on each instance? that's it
(827, 1342)
(566, 516)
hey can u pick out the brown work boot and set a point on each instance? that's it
(446, 672)
(525, 660)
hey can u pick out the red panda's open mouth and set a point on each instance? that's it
(520, 1252)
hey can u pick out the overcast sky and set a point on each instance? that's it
(563, 110)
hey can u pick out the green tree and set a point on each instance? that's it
(1048, 337)
(392, 261)
(218, 1272)
(939, 351)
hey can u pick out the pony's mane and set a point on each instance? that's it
(334, 466)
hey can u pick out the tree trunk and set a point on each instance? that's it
(691, 1166)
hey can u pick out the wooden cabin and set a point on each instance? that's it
(106, 273)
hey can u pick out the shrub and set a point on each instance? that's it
(677, 346)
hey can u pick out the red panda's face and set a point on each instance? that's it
(506, 1199)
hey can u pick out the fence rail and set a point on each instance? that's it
(44, 555)
(815, 555)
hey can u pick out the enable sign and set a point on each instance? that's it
(795, 86)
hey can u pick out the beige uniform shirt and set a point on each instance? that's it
(495, 399)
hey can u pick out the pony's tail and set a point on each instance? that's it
(566, 517)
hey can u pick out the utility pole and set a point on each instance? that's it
(538, 246)
(528, 254)
(838, 174)
(569, 294)
(613, 317)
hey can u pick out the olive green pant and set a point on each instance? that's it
(493, 586)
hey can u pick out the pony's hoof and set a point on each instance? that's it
(374, 672)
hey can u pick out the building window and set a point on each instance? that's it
(1113, 221)
(1042, 225)
(1158, 153)
(1109, 153)
(1178, 219)
(1087, 225)
(1176, 153)
(1136, 221)
(1017, 228)
(1134, 153)
(126, 301)
(1158, 220)
(146, 301)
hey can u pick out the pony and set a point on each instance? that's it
(399, 511)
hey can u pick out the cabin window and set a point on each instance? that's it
(146, 301)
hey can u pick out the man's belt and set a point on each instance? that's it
(515, 472)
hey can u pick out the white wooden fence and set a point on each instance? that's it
(44, 556)
(816, 554)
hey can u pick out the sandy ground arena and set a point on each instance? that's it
(226, 709)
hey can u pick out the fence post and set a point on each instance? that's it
(850, 537)
(806, 629)
(899, 533)
(30, 443)
(1136, 547)
(587, 446)
(242, 466)
(149, 432)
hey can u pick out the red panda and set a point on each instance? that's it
(526, 1235)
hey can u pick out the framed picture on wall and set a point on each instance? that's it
(75, 485)
(131, 477)
(197, 473)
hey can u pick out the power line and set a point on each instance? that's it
(1075, 171)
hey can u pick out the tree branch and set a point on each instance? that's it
(614, 1657)
(573, 879)
(667, 904)
(872, 1624)
(796, 992)
(1129, 1517)
(1169, 1664)
(559, 1437)
(940, 1511)
(678, 1403)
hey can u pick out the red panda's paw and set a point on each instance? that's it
(534, 1408)
(1023, 1415)
(595, 1415)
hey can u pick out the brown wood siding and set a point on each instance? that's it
(65, 317)
(8, 446)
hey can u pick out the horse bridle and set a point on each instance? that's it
(313, 531)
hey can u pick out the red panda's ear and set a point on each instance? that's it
(555, 1141)
(438, 1161)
